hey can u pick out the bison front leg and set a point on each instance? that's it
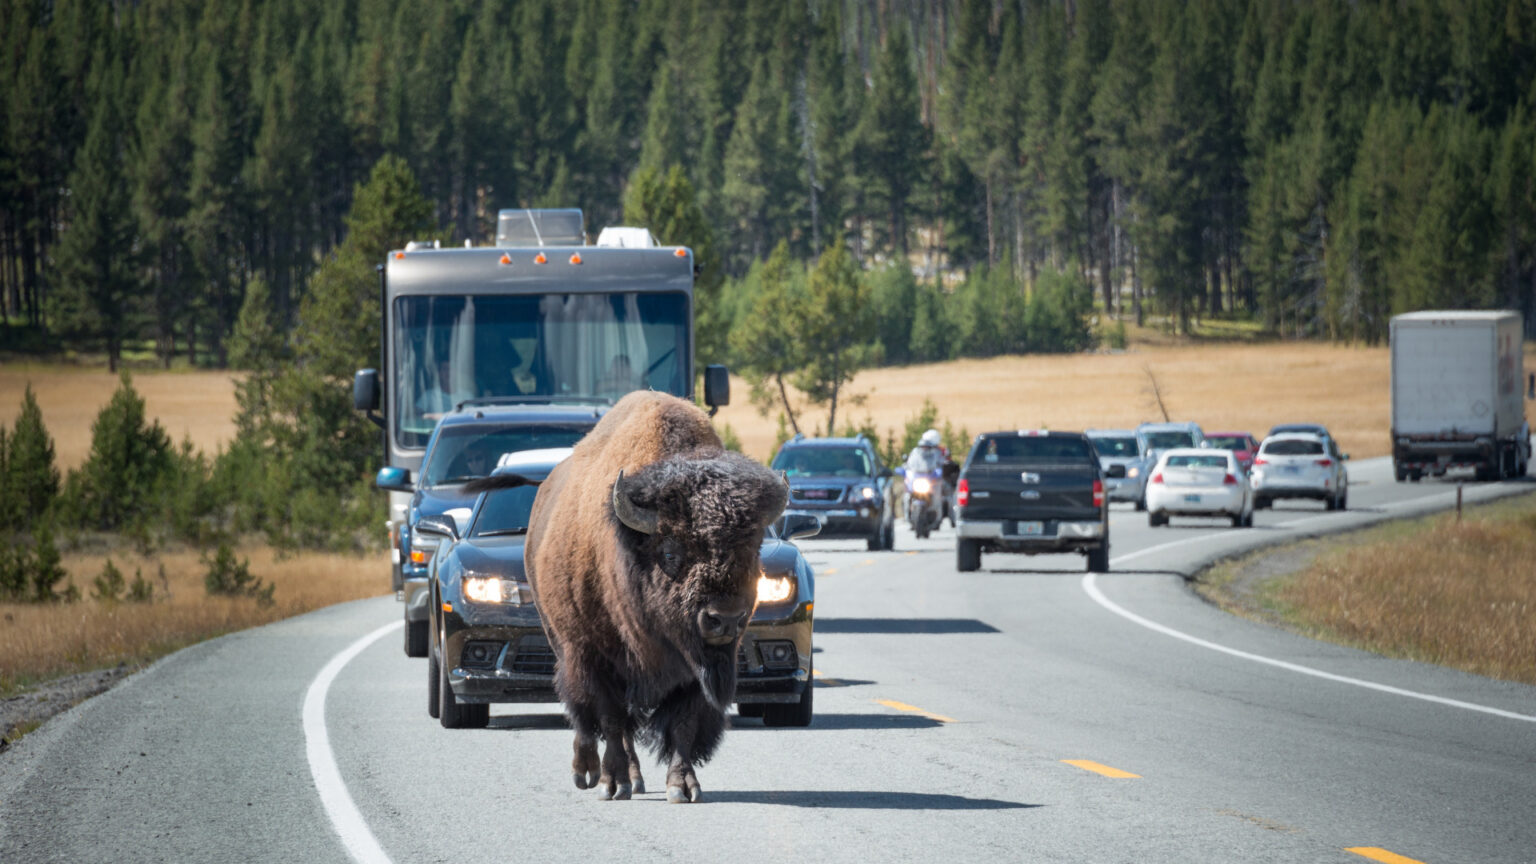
(585, 764)
(690, 730)
(615, 784)
(636, 781)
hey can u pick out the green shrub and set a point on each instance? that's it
(130, 463)
(228, 577)
(140, 590)
(108, 586)
(1114, 336)
(45, 572)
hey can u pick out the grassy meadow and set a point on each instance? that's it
(1459, 594)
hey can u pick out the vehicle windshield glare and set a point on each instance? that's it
(1169, 440)
(823, 462)
(1227, 442)
(1198, 462)
(504, 511)
(451, 348)
(1293, 447)
(1116, 448)
(464, 453)
(1034, 449)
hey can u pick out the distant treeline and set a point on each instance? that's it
(1317, 164)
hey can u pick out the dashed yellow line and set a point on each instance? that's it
(828, 572)
(830, 682)
(866, 562)
(910, 552)
(902, 706)
(1098, 768)
(1378, 854)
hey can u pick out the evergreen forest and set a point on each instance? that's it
(1312, 165)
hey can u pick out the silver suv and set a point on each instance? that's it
(1123, 447)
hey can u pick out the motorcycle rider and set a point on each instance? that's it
(926, 459)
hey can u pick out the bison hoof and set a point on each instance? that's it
(623, 793)
(584, 780)
(677, 795)
(639, 785)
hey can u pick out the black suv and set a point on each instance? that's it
(468, 443)
(842, 482)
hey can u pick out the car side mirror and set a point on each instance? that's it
(797, 526)
(437, 525)
(1116, 472)
(717, 387)
(1345, 457)
(394, 479)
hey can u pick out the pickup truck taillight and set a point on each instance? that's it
(1098, 493)
(1231, 480)
(963, 493)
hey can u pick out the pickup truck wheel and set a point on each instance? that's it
(415, 638)
(796, 714)
(751, 709)
(1098, 559)
(968, 555)
(432, 682)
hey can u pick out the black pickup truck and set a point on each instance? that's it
(1033, 491)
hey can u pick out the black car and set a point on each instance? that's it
(842, 482)
(467, 444)
(487, 641)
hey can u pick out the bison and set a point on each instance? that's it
(642, 553)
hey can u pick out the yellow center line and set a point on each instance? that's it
(829, 571)
(1377, 854)
(902, 706)
(910, 552)
(866, 562)
(1097, 768)
(830, 682)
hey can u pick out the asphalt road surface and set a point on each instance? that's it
(1027, 712)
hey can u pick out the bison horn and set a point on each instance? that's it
(638, 518)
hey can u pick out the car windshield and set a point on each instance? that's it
(1170, 440)
(450, 348)
(1293, 447)
(504, 511)
(1200, 461)
(1227, 442)
(465, 452)
(823, 462)
(1116, 448)
(1034, 449)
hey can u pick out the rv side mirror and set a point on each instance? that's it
(717, 386)
(393, 479)
(365, 390)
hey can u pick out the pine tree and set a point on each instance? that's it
(31, 478)
(667, 205)
(892, 141)
(834, 324)
(766, 342)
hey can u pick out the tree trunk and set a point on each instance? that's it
(788, 412)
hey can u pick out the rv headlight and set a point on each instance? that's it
(774, 589)
(491, 589)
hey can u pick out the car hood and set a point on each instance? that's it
(778, 557)
(501, 556)
(439, 500)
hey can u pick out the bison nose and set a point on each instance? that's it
(721, 626)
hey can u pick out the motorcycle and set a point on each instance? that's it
(928, 500)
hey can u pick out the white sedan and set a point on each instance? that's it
(1199, 482)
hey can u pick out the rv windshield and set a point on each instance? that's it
(538, 346)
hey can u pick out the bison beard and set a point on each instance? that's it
(642, 554)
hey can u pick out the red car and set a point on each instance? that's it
(1240, 443)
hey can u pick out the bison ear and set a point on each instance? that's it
(642, 519)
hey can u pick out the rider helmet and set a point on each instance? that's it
(929, 439)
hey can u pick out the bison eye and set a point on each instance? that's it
(671, 557)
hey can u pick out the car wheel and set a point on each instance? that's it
(415, 638)
(968, 555)
(1098, 559)
(1262, 503)
(1248, 520)
(433, 679)
(1237, 520)
(1344, 499)
(890, 535)
(1141, 504)
(1156, 519)
(1332, 503)
(751, 709)
(452, 713)
(796, 714)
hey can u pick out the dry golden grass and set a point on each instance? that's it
(1459, 594)
(195, 404)
(41, 642)
(1224, 387)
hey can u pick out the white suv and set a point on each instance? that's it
(1298, 465)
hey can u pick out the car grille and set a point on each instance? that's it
(823, 494)
(534, 658)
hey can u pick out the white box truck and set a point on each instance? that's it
(1457, 394)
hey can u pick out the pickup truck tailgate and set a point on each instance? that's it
(1035, 492)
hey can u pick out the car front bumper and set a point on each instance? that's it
(846, 521)
(756, 681)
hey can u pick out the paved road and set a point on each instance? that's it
(959, 717)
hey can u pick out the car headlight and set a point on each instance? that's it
(491, 589)
(1132, 473)
(922, 485)
(867, 492)
(775, 589)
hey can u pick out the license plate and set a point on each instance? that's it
(1293, 469)
(1029, 529)
(1191, 499)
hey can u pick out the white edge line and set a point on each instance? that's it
(1091, 587)
(344, 815)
